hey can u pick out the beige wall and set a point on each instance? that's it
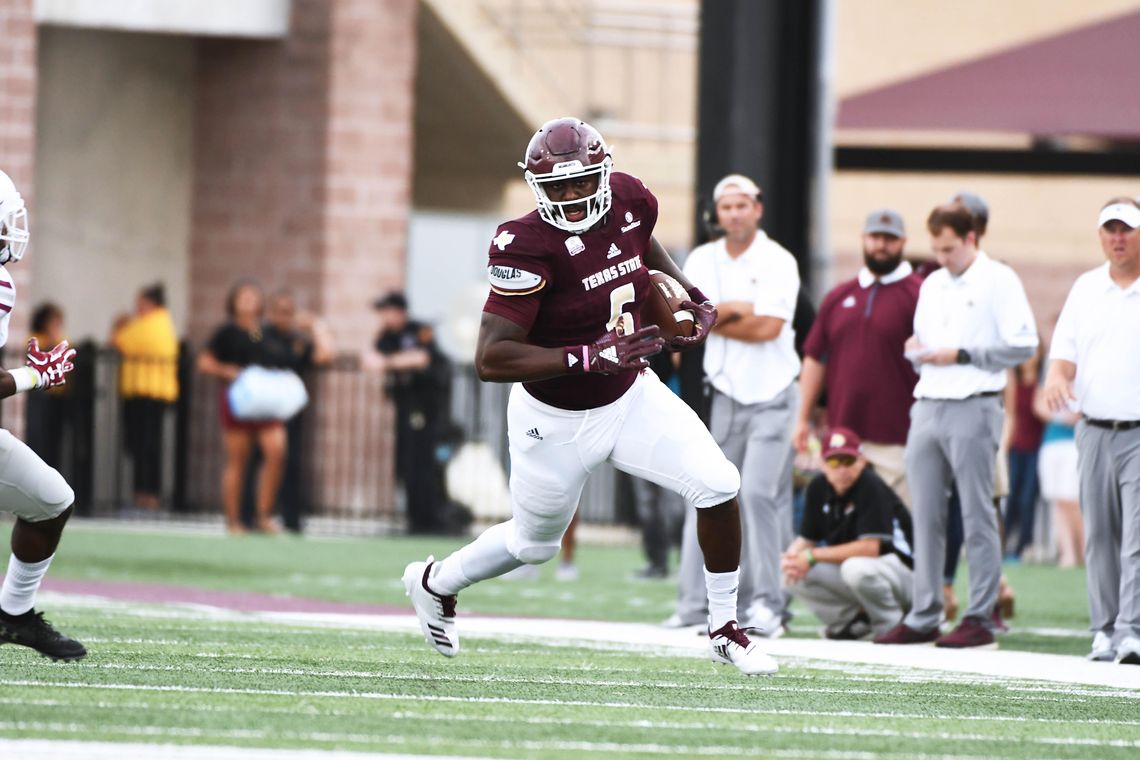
(112, 173)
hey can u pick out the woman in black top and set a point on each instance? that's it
(234, 346)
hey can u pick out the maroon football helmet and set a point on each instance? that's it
(563, 149)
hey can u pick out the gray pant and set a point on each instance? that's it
(880, 586)
(757, 439)
(953, 441)
(1110, 501)
(658, 510)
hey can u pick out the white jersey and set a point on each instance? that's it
(7, 303)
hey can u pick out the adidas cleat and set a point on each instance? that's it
(31, 630)
(731, 647)
(436, 613)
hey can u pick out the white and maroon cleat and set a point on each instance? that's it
(436, 613)
(731, 646)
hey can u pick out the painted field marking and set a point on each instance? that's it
(561, 702)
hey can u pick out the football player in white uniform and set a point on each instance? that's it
(35, 493)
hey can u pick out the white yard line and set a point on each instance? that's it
(80, 750)
(640, 707)
(1001, 663)
(1006, 664)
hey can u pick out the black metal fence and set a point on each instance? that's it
(341, 447)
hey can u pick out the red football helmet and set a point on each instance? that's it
(562, 149)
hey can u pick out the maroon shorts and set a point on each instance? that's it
(229, 422)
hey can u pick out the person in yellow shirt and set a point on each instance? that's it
(148, 384)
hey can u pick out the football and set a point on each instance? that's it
(662, 307)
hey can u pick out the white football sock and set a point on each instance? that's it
(18, 594)
(722, 597)
(485, 557)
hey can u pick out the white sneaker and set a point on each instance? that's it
(567, 572)
(1128, 653)
(1102, 650)
(762, 622)
(676, 621)
(731, 647)
(436, 613)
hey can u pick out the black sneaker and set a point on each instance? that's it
(31, 630)
(857, 628)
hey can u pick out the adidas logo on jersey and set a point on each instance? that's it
(533, 433)
(614, 251)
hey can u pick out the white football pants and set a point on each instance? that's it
(29, 488)
(649, 432)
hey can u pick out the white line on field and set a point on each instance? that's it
(559, 702)
(685, 685)
(654, 639)
(492, 744)
(1006, 664)
(79, 750)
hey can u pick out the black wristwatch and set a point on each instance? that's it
(963, 356)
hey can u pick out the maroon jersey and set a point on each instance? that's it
(568, 289)
(859, 335)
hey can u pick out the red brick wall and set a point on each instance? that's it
(303, 162)
(303, 173)
(17, 156)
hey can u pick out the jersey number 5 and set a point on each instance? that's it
(620, 320)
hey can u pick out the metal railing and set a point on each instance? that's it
(343, 444)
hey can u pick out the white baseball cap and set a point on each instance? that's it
(1129, 213)
(736, 183)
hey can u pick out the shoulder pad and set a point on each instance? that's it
(513, 281)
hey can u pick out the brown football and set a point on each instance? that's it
(662, 307)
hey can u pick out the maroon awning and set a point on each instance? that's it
(1083, 82)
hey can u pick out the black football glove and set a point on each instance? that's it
(705, 314)
(613, 353)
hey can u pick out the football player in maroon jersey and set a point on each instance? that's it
(562, 322)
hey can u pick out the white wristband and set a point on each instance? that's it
(26, 378)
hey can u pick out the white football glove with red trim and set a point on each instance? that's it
(51, 367)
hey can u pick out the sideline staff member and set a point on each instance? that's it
(972, 323)
(851, 563)
(1094, 362)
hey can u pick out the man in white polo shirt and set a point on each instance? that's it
(972, 323)
(1094, 367)
(751, 363)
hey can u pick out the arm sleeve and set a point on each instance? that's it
(1064, 344)
(875, 510)
(518, 274)
(218, 345)
(812, 527)
(817, 343)
(776, 295)
(1016, 328)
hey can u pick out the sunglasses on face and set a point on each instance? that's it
(840, 461)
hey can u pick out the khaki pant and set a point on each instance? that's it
(889, 462)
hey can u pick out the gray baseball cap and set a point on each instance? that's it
(884, 221)
(974, 203)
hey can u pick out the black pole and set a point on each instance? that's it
(758, 109)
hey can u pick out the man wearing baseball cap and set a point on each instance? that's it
(1094, 368)
(854, 351)
(851, 564)
(751, 364)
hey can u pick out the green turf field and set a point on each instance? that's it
(176, 675)
(368, 570)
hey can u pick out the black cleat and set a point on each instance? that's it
(31, 630)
